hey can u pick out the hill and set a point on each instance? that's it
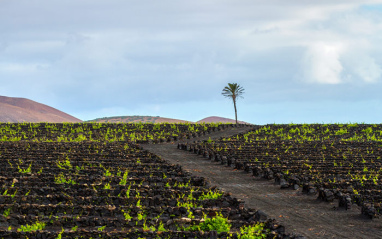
(136, 119)
(13, 110)
(216, 119)
(158, 119)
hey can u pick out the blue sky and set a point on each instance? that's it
(299, 61)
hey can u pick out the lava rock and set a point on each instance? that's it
(345, 201)
(283, 184)
(261, 216)
(369, 210)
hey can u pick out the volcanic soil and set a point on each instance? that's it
(299, 213)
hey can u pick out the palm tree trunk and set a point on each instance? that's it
(234, 105)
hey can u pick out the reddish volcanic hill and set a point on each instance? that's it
(15, 110)
(157, 119)
(216, 119)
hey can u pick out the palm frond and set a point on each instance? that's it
(233, 90)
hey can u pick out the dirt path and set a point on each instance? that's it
(299, 213)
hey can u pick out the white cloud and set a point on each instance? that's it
(322, 63)
(342, 47)
(367, 69)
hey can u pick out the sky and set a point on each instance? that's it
(299, 61)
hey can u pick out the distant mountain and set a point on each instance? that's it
(15, 110)
(136, 119)
(157, 119)
(216, 119)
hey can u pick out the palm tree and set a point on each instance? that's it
(234, 91)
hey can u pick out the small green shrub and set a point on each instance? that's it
(7, 212)
(31, 228)
(161, 227)
(252, 232)
(124, 178)
(211, 195)
(217, 223)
